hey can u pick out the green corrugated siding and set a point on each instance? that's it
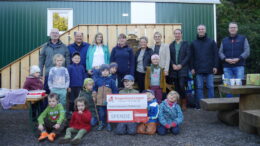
(24, 24)
(189, 15)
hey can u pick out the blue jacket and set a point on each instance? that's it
(153, 111)
(107, 82)
(96, 74)
(77, 75)
(204, 55)
(124, 57)
(168, 114)
(82, 49)
(234, 47)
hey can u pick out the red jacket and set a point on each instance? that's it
(81, 121)
(33, 83)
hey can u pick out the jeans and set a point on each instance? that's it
(126, 128)
(102, 113)
(180, 84)
(73, 95)
(93, 121)
(162, 130)
(200, 78)
(234, 72)
(139, 78)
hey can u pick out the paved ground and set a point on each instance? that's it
(200, 128)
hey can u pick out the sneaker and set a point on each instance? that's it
(64, 140)
(109, 128)
(43, 136)
(75, 141)
(51, 137)
(100, 127)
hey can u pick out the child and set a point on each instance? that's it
(33, 81)
(170, 115)
(52, 119)
(155, 78)
(77, 75)
(87, 93)
(153, 111)
(127, 128)
(59, 79)
(103, 85)
(113, 72)
(79, 123)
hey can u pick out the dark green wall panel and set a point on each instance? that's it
(189, 15)
(23, 25)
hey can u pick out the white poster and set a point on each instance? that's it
(143, 13)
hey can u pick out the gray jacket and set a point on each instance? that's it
(46, 55)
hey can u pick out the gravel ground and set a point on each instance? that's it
(200, 128)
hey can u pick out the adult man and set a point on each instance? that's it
(204, 63)
(49, 49)
(80, 47)
(233, 52)
(179, 65)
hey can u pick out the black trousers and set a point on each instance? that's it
(140, 77)
(180, 84)
(73, 95)
(48, 125)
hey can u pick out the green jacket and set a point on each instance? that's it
(126, 91)
(56, 114)
(90, 54)
(90, 101)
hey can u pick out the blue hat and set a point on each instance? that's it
(128, 77)
(113, 64)
(149, 91)
(104, 67)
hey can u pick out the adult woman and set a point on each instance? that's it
(163, 51)
(97, 54)
(142, 60)
(124, 57)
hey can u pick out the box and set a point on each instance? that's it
(253, 79)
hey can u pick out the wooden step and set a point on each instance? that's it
(219, 104)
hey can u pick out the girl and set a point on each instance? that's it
(170, 115)
(155, 78)
(59, 78)
(33, 81)
(79, 123)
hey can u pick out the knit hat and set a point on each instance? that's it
(104, 67)
(87, 81)
(34, 69)
(148, 91)
(113, 64)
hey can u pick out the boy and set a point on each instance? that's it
(104, 85)
(113, 72)
(127, 128)
(153, 111)
(87, 93)
(155, 78)
(77, 75)
(52, 119)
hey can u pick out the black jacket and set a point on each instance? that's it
(146, 59)
(183, 59)
(204, 55)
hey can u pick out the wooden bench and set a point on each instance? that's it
(252, 118)
(227, 109)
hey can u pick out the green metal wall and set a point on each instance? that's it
(23, 25)
(189, 15)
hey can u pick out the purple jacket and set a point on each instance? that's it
(32, 83)
(14, 97)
